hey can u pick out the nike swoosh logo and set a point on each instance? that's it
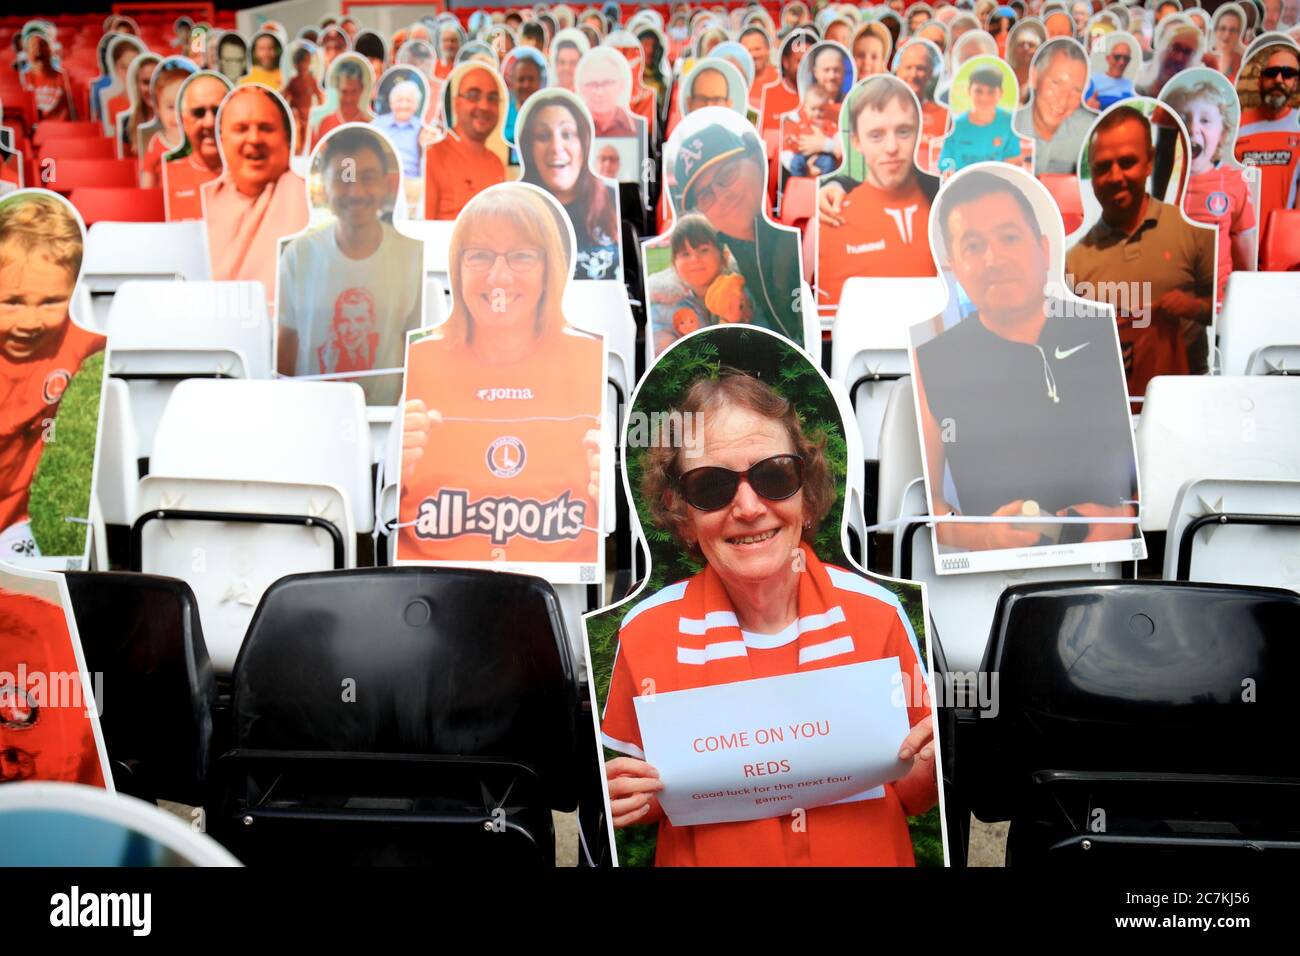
(1068, 352)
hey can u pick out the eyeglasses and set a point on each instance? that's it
(703, 101)
(1279, 72)
(706, 196)
(476, 96)
(518, 260)
(710, 488)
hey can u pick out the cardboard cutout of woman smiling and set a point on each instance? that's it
(501, 464)
(555, 150)
(735, 458)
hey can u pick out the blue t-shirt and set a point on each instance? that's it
(1108, 89)
(968, 143)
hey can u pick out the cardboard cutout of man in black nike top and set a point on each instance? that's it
(1021, 403)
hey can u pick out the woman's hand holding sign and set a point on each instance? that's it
(632, 787)
(919, 789)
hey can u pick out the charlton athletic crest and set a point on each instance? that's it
(505, 457)
(56, 383)
(1217, 203)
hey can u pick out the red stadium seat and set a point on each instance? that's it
(79, 148)
(65, 175)
(118, 205)
(49, 130)
(1065, 190)
(799, 200)
(1280, 251)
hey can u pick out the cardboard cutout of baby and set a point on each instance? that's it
(351, 286)
(724, 260)
(257, 200)
(49, 716)
(683, 658)
(1019, 390)
(555, 150)
(501, 465)
(53, 370)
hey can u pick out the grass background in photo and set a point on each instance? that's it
(61, 486)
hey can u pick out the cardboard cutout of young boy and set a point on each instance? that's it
(53, 374)
(472, 155)
(1137, 250)
(501, 465)
(265, 52)
(693, 655)
(874, 211)
(48, 84)
(197, 160)
(163, 133)
(351, 286)
(1020, 397)
(303, 70)
(257, 200)
(113, 96)
(719, 171)
(555, 152)
(983, 95)
(1220, 191)
(49, 717)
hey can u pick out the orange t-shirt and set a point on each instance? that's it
(778, 99)
(505, 475)
(30, 391)
(454, 173)
(151, 161)
(934, 124)
(182, 179)
(882, 235)
(869, 831)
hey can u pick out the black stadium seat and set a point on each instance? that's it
(142, 633)
(1143, 719)
(402, 716)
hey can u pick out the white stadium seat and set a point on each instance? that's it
(163, 332)
(117, 472)
(1258, 330)
(1236, 532)
(238, 452)
(1198, 426)
(870, 336)
(119, 251)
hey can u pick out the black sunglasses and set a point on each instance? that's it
(711, 488)
(1279, 72)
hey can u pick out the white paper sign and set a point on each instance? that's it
(762, 748)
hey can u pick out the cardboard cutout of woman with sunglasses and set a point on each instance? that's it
(501, 462)
(752, 612)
